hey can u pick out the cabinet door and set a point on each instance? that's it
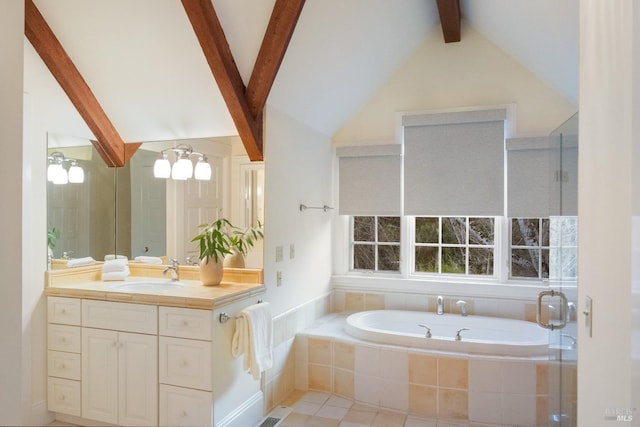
(100, 375)
(138, 379)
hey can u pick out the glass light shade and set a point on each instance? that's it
(182, 169)
(52, 171)
(61, 176)
(76, 174)
(203, 170)
(162, 168)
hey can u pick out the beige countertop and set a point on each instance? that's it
(84, 282)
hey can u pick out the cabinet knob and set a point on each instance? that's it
(63, 339)
(184, 414)
(184, 364)
(185, 322)
(63, 311)
(62, 397)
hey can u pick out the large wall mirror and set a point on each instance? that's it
(127, 211)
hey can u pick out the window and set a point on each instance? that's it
(455, 245)
(375, 243)
(530, 248)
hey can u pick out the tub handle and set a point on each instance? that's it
(428, 333)
(458, 337)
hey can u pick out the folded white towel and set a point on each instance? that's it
(115, 265)
(149, 260)
(115, 275)
(253, 337)
(110, 257)
(80, 262)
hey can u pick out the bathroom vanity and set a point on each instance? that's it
(147, 356)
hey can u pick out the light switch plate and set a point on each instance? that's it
(278, 253)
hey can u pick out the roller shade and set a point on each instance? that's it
(370, 180)
(454, 163)
(542, 177)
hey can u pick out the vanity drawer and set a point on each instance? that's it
(186, 323)
(185, 363)
(64, 365)
(63, 396)
(185, 407)
(120, 316)
(63, 310)
(64, 338)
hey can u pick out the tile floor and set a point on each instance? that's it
(315, 409)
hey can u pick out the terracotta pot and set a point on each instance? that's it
(234, 260)
(211, 272)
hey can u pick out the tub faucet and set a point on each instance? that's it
(440, 305)
(463, 307)
(175, 270)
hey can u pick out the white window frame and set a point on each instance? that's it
(376, 244)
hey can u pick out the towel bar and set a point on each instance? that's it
(224, 317)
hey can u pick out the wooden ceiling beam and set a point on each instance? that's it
(449, 11)
(274, 46)
(109, 144)
(215, 47)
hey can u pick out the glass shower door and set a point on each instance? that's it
(557, 305)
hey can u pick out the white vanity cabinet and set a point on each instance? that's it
(63, 355)
(119, 363)
(185, 367)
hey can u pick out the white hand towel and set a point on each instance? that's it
(154, 260)
(110, 257)
(253, 337)
(115, 265)
(80, 262)
(115, 275)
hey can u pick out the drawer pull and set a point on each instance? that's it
(63, 339)
(184, 414)
(63, 311)
(62, 397)
(184, 364)
(63, 366)
(185, 322)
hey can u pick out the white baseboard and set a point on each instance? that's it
(248, 414)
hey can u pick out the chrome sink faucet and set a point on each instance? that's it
(440, 304)
(463, 307)
(175, 270)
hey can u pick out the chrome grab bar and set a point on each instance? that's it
(563, 310)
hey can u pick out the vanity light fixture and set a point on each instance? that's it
(183, 168)
(56, 172)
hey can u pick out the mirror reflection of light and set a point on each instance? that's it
(182, 169)
(162, 167)
(203, 169)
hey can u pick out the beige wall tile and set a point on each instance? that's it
(542, 410)
(453, 404)
(343, 383)
(354, 301)
(374, 302)
(423, 401)
(319, 351)
(319, 378)
(453, 372)
(423, 369)
(542, 378)
(343, 355)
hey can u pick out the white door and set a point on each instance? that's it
(100, 375)
(138, 379)
(196, 202)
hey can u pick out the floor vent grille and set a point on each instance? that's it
(270, 422)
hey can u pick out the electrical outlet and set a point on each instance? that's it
(292, 251)
(279, 278)
(279, 253)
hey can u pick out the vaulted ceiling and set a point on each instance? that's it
(143, 61)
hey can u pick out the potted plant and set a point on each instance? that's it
(52, 236)
(214, 244)
(241, 242)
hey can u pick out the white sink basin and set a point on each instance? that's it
(147, 286)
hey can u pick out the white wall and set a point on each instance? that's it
(298, 163)
(11, 105)
(605, 207)
(471, 73)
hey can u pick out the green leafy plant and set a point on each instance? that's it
(52, 236)
(243, 240)
(214, 240)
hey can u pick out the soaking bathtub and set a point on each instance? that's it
(485, 335)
